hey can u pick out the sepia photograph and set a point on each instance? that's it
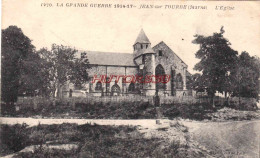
(130, 79)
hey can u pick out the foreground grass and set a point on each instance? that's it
(91, 141)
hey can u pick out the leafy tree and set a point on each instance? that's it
(34, 78)
(64, 67)
(197, 83)
(15, 48)
(247, 74)
(78, 74)
(217, 63)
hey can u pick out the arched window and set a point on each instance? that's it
(159, 71)
(98, 86)
(115, 90)
(179, 82)
(131, 87)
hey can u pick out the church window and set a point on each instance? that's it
(131, 87)
(147, 46)
(160, 53)
(98, 86)
(141, 46)
(115, 90)
(159, 72)
(179, 82)
(143, 59)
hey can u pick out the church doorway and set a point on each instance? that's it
(115, 90)
(159, 71)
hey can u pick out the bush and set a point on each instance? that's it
(13, 138)
(193, 111)
(7, 109)
(247, 106)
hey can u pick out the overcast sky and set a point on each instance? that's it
(115, 30)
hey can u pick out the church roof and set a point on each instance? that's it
(142, 38)
(143, 51)
(148, 50)
(109, 58)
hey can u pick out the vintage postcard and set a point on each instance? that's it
(85, 78)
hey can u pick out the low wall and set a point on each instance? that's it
(36, 102)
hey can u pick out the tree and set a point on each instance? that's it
(247, 74)
(78, 74)
(217, 63)
(15, 48)
(64, 67)
(197, 83)
(34, 78)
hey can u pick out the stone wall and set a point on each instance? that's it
(170, 61)
(103, 70)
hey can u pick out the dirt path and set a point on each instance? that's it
(227, 139)
(147, 123)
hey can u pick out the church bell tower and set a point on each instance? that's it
(144, 57)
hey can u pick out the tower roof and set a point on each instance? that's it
(142, 38)
(148, 50)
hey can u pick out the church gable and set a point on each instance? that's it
(163, 53)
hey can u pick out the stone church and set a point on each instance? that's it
(145, 60)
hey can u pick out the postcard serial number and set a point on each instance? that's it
(89, 5)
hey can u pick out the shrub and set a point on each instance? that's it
(193, 111)
(13, 138)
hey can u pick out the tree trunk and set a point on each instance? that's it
(57, 90)
(213, 102)
(56, 93)
(212, 95)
